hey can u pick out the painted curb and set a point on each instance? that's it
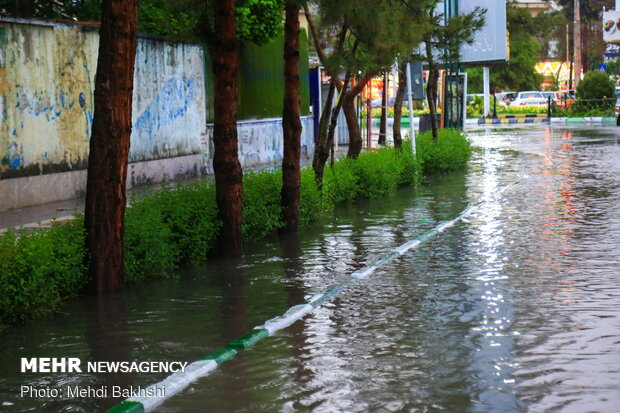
(510, 121)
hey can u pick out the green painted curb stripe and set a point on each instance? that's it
(249, 339)
(220, 356)
(127, 407)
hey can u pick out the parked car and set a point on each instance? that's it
(564, 99)
(505, 98)
(530, 98)
(559, 98)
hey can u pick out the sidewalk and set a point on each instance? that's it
(41, 216)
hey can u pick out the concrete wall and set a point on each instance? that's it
(261, 143)
(46, 98)
(47, 75)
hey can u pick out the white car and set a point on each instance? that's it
(531, 98)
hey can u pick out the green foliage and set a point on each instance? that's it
(259, 21)
(340, 183)
(475, 107)
(474, 80)
(40, 269)
(521, 110)
(190, 212)
(449, 152)
(150, 249)
(261, 203)
(311, 200)
(587, 108)
(519, 73)
(595, 85)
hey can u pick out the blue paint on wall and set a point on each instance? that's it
(172, 102)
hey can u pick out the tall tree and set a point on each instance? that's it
(291, 119)
(228, 174)
(370, 45)
(527, 32)
(442, 42)
(398, 103)
(109, 145)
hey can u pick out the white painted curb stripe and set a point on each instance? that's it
(175, 383)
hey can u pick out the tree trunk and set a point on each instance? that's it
(321, 150)
(291, 120)
(336, 111)
(24, 8)
(431, 88)
(431, 95)
(104, 211)
(398, 104)
(348, 107)
(384, 112)
(228, 174)
(324, 143)
(321, 159)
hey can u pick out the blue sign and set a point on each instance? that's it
(602, 68)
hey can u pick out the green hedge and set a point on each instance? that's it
(450, 152)
(177, 225)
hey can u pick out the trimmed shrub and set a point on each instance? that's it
(450, 152)
(150, 247)
(190, 211)
(38, 270)
(311, 202)
(261, 203)
(596, 85)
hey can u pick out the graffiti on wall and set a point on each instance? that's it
(46, 98)
(261, 141)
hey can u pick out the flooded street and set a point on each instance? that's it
(514, 309)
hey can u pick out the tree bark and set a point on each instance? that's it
(384, 112)
(109, 146)
(291, 120)
(228, 174)
(24, 8)
(431, 88)
(433, 78)
(348, 107)
(321, 150)
(398, 104)
(324, 142)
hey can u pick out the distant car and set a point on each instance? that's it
(617, 108)
(505, 98)
(529, 98)
(564, 99)
(560, 99)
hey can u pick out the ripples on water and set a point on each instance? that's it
(513, 309)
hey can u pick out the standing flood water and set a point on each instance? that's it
(516, 308)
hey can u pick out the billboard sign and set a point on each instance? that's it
(611, 26)
(490, 45)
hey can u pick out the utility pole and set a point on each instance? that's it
(577, 40)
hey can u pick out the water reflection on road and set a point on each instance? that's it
(514, 309)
